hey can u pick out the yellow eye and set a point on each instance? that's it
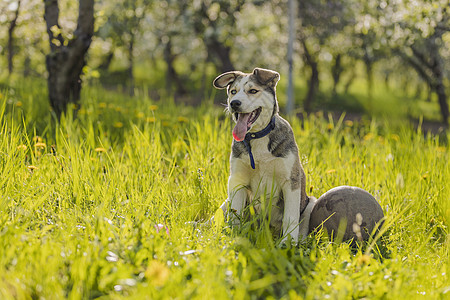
(253, 91)
(233, 92)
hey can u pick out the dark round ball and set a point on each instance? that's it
(358, 211)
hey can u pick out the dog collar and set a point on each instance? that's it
(257, 135)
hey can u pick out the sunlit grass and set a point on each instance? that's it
(93, 208)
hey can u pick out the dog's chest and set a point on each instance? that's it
(270, 172)
(265, 161)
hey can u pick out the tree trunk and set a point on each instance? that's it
(369, 73)
(387, 75)
(437, 69)
(290, 59)
(172, 76)
(106, 62)
(442, 99)
(27, 66)
(131, 64)
(222, 53)
(66, 59)
(419, 89)
(429, 66)
(313, 83)
(12, 26)
(336, 71)
(350, 81)
(429, 92)
(214, 46)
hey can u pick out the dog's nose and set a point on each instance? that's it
(235, 104)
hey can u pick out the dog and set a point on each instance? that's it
(264, 159)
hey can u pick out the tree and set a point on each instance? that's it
(414, 31)
(66, 59)
(170, 26)
(215, 21)
(428, 63)
(11, 27)
(320, 20)
(21, 36)
(124, 28)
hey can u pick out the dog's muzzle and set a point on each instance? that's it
(235, 105)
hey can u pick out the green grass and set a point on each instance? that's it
(81, 202)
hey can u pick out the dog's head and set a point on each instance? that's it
(251, 98)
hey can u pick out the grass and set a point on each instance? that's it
(102, 206)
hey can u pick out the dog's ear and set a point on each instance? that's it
(225, 79)
(266, 77)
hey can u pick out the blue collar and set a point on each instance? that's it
(257, 135)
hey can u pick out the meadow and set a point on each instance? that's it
(104, 206)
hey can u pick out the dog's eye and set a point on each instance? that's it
(233, 92)
(253, 91)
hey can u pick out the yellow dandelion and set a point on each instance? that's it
(40, 145)
(330, 171)
(100, 149)
(363, 259)
(441, 149)
(32, 168)
(425, 176)
(75, 106)
(22, 147)
(354, 159)
(395, 137)
(368, 136)
(140, 115)
(102, 105)
(19, 104)
(153, 107)
(165, 124)
(330, 126)
(157, 273)
(118, 109)
(150, 120)
(348, 123)
(118, 125)
(37, 139)
(183, 119)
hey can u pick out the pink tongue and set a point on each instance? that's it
(240, 129)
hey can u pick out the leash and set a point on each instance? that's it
(257, 135)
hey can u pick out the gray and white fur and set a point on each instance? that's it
(278, 172)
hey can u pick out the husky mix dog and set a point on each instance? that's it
(264, 158)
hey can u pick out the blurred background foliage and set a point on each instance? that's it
(372, 57)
